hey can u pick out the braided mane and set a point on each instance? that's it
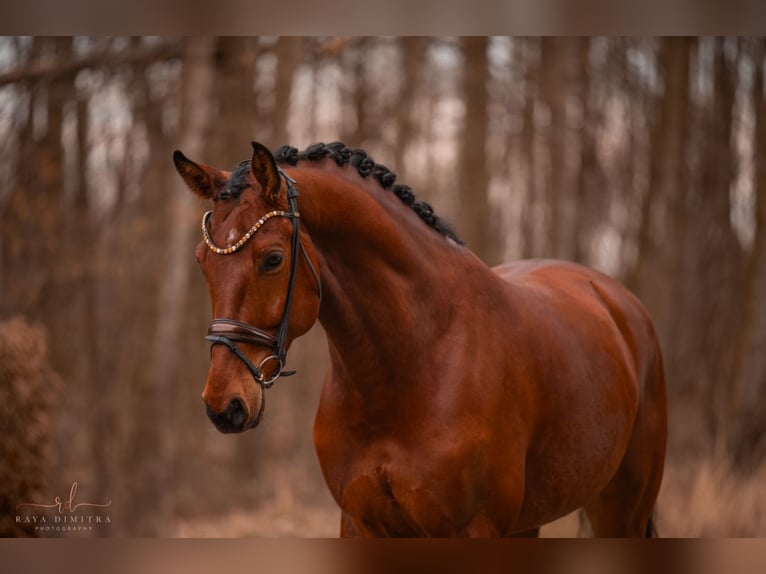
(366, 166)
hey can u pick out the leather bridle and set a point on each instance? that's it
(229, 332)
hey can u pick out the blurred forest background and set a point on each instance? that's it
(643, 157)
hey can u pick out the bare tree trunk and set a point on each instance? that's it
(288, 52)
(196, 116)
(90, 293)
(554, 66)
(635, 159)
(235, 125)
(413, 49)
(590, 193)
(747, 392)
(667, 176)
(46, 193)
(473, 180)
(21, 290)
(137, 318)
(708, 267)
(315, 67)
(364, 131)
(528, 155)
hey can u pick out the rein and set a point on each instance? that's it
(229, 332)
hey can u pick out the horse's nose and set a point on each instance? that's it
(232, 419)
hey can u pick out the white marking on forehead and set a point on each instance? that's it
(233, 236)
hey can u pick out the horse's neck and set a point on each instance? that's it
(383, 275)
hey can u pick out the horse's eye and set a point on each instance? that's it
(272, 261)
(225, 194)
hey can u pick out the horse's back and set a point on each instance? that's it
(586, 291)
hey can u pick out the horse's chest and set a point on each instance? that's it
(427, 483)
(385, 501)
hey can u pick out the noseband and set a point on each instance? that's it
(229, 332)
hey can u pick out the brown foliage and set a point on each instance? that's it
(28, 391)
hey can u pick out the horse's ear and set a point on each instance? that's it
(265, 172)
(201, 179)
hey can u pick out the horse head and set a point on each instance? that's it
(263, 276)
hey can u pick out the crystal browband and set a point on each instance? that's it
(238, 245)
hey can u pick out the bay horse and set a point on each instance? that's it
(461, 400)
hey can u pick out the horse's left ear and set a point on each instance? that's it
(201, 179)
(265, 172)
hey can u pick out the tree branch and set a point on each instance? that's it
(51, 68)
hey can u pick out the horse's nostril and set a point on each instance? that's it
(237, 413)
(232, 419)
